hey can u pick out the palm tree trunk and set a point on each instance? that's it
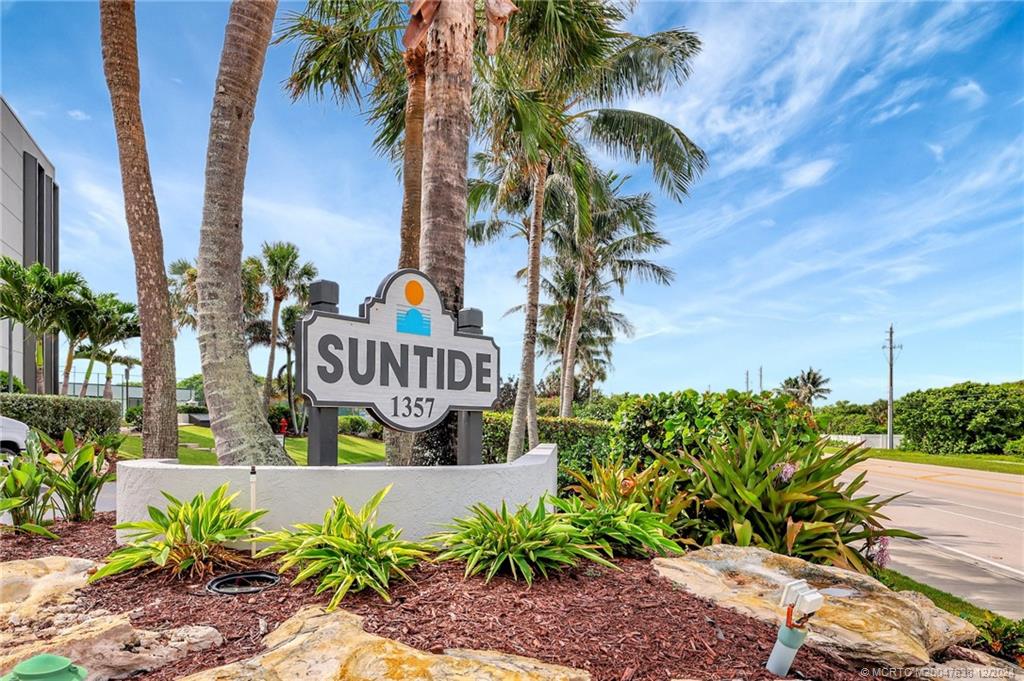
(121, 68)
(446, 128)
(522, 420)
(291, 391)
(40, 373)
(108, 385)
(399, 445)
(569, 364)
(84, 390)
(68, 364)
(268, 384)
(240, 429)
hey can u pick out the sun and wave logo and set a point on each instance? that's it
(410, 318)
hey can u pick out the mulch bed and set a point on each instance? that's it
(628, 625)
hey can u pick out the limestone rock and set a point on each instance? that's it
(313, 644)
(110, 648)
(29, 586)
(862, 620)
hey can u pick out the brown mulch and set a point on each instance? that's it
(628, 625)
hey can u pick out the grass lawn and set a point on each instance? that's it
(351, 449)
(948, 602)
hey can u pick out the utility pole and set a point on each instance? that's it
(760, 379)
(746, 380)
(890, 348)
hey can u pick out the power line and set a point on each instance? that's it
(890, 347)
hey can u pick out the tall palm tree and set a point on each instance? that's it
(806, 387)
(582, 64)
(258, 333)
(121, 68)
(240, 429)
(611, 252)
(74, 324)
(286, 276)
(36, 298)
(183, 273)
(114, 321)
(109, 357)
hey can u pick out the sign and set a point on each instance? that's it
(403, 358)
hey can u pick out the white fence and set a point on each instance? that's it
(874, 441)
(422, 498)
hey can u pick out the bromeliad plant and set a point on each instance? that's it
(25, 490)
(782, 495)
(621, 529)
(348, 551)
(80, 473)
(522, 543)
(187, 539)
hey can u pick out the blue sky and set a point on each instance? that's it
(865, 168)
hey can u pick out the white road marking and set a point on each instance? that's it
(909, 493)
(971, 556)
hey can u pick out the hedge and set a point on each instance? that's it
(16, 384)
(639, 424)
(966, 418)
(577, 439)
(53, 414)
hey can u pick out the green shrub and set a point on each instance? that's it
(1001, 636)
(601, 407)
(17, 385)
(375, 430)
(847, 418)
(275, 413)
(25, 490)
(547, 406)
(578, 440)
(83, 469)
(782, 495)
(967, 418)
(192, 408)
(53, 414)
(188, 538)
(353, 425)
(667, 421)
(620, 529)
(348, 551)
(1014, 447)
(133, 417)
(522, 544)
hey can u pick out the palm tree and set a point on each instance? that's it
(182, 274)
(240, 429)
(806, 387)
(114, 321)
(109, 357)
(36, 298)
(258, 333)
(609, 253)
(74, 324)
(286, 276)
(121, 68)
(581, 64)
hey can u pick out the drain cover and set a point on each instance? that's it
(242, 582)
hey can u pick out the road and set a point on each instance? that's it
(974, 524)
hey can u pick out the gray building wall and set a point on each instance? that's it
(29, 232)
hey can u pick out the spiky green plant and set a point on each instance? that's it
(522, 543)
(621, 529)
(347, 551)
(188, 539)
(80, 474)
(25, 489)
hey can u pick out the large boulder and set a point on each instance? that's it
(314, 644)
(862, 620)
(31, 586)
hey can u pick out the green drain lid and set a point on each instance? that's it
(46, 667)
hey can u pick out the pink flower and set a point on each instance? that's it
(878, 551)
(784, 472)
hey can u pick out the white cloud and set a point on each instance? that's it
(970, 92)
(78, 115)
(809, 174)
(937, 151)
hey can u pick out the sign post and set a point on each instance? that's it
(404, 358)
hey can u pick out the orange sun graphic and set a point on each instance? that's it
(414, 292)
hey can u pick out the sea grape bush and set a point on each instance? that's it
(523, 543)
(347, 552)
(662, 423)
(781, 494)
(966, 418)
(186, 539)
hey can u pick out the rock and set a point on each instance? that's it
(862, 621)
(110, 648)
(30, 586)
(313, 644)
(963, 669)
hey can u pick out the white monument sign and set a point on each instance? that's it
(403, 358)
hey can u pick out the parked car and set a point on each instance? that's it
(12, 436)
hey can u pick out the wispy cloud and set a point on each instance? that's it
(937, 151)
(78, 115)
(970, 92)
(809, 174)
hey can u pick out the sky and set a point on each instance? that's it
(865, 168)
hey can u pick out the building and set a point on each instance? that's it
(29, 232)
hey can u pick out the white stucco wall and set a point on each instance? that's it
(422, 498)
(874, 441)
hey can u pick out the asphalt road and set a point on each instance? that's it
(974, 524)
